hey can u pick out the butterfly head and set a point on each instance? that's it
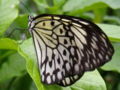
(31, 23)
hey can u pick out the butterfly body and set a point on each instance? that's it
(68, 46)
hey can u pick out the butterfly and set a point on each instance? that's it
(67, 46)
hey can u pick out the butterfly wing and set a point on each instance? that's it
(67, 46)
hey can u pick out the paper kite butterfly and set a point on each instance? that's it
(67, 46)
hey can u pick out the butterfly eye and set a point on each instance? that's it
(67, 46)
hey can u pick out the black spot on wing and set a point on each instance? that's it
(64, 52)
(52, 23)
(43, 24)
(65, 41)
(61, 30)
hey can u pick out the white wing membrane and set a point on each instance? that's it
(68, 47)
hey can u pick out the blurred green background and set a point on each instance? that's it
(18, 67)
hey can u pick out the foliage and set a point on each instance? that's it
(18, 65)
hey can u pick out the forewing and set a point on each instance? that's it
(69, 48)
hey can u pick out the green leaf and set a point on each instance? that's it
(54, 87)
(113, 31)
(27, 51)
(8, 13)
(21, 19)
(23, 83)
(112, 19)
(84, 5)
(114, 64)
(56, 8)
(4, 85)
(99, 14)
(87, 5)
(90, 81)
(6, 43)
(114, 4)
(61, 3)
(118, 88)
(13, 67)
(19, 28)
(42, 5)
